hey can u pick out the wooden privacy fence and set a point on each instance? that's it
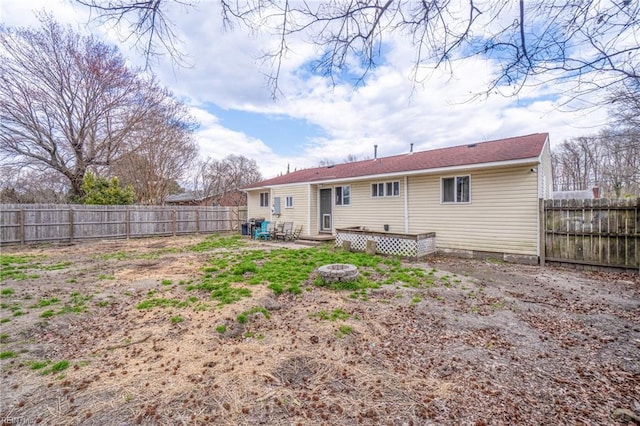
(598, 233)
(30, 223)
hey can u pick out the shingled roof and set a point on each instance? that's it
(510, 149)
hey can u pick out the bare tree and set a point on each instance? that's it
(621, 175)
(326, 162)
(26, 185)
(609, 160)
(625, 106)
(166, 151)
(225, 178)
(69, 103)
(590, 42)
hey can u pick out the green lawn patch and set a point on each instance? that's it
(217, 241)
(5, 292)
(21, 267)
(159, 302)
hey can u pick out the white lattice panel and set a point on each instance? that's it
(396, 246)
(405, 247)
(358, 241)
(426, 246)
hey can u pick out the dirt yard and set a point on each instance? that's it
(125, 332)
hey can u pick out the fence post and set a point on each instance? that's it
(127, 219)
(21, 219)
(543, 231)
(173, 221)
(71, 225)
(197, 221)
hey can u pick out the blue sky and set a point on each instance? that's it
(312, 119)
(279, 131)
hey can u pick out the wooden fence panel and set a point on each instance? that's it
(28, 223)
(598, 232)
(91, 222)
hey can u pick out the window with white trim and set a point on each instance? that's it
(264, 199)
(385, 189)
(456, 189)
(288, 201)
(343, 195)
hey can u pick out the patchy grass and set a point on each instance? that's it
(20, 267)
(5, 292)
(335, 315)
(160, 302)
(343, 331)
(176, 319)
(57, 266)
(56, 368)
(223, 292)
(43, 303)
(120, 255)
(76, 304)
(217, 241)
(222, 328)
(15, 266)
(106, 277)
(8, 354)
(37, 365)
(244, 317)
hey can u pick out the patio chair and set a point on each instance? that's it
(264, 233)
(287, 230)
(296, 233)
(277, 229)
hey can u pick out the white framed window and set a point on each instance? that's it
(288, 201)
(377, 189)
(456, 189)
(264, 199)
(395, 189)
(343, 195)
(385, 189)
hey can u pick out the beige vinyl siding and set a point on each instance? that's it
(501, 217)
(253, 204)
(545, 175)
(296, 214)
(371, 212)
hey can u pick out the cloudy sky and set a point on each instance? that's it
(312, 119)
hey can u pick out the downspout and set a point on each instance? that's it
(308, 209)
(406, 204)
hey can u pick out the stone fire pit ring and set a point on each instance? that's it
(338, 272)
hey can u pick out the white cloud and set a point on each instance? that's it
(391, 110)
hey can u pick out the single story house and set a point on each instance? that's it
(481, 199)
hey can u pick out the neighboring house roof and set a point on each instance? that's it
(185, 197)
(502, 150)
(586, 194)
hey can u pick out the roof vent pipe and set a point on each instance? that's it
(375, 152)
(411, 149)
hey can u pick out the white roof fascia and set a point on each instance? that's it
(438, 170)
